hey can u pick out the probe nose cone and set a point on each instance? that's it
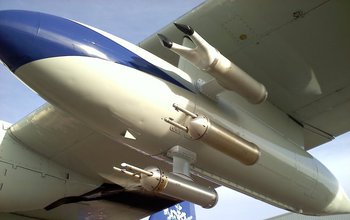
(165, 41)
(186, 29)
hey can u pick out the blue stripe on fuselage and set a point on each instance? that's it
(28, 36)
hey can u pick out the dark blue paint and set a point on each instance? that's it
(184, 209)
(28, 36)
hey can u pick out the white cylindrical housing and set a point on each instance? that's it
(228, 75)
(178, 187)
(233, 78)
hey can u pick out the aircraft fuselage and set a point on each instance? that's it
(113, 86)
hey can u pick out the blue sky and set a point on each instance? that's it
(134, 20)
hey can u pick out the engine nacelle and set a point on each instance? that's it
(207, 58)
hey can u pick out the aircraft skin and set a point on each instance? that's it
(30, 180)
(111, 86)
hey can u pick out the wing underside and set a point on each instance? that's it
(297, 49)
(66, 141)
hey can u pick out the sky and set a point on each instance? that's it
(134, 20)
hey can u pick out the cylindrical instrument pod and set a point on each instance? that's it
(178, 187)
(201, 128)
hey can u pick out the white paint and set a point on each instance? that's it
(340, 203)
(111, 98)
(160, 63)
(128, 135)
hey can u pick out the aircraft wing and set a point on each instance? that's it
(66, 141)
(297, 49)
